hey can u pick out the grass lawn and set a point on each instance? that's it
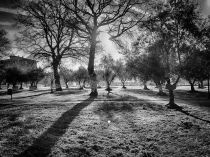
(129, 122)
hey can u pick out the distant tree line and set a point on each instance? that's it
(13, 76)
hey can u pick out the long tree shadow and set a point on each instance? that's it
(30, 96)
(155, 106)
(196, 117)
(41, 147)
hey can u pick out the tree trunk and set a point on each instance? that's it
(21, 85)
(57, 77)
(171, 97)
(36, 84)
(108, 86)
(171, 88)
(208, 89)
(160, 87)
(84, 84)
(66, 84)
(145, 85)
(1, 83)
(192, 87)
(14, 84)
(171, 104)
(123, 84)
(91, 72)
(201, 83)
(80, 86)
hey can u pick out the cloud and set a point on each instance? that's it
(13, 11)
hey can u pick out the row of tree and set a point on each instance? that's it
(53, 30)
(168, 37)
(174, 41)
(107, 71)
(13, 76)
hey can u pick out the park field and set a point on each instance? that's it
(128, 122)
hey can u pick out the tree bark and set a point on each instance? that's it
(171, 97)
(202, 83)
(91, 72)
(123, 84)
(57, 77)
(1, 80)
(171, 88)
(21, 85)
(80, 85)
(192, 87)
(145, 85)
(208, 89)
(108, 86)
(160, 87)
(84, 83)
(66, 84)
(14, 84)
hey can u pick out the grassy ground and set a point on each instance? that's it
(131, 122)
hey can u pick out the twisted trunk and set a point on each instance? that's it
(192, 85)
(66, 84)
(108, 86)
(171, 88)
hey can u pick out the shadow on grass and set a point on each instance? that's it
(41, 147)
(14, 92)
(191, 95)
(143, 92)
(156, 107)
(196, 117)
(75, 91)
(30, 96)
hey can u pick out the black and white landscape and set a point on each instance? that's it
(104, 78)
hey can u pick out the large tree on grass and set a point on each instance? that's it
(107, 66)
(193, 68)
(159, 63)
(109, 76)
(45, 35)
(121, 71)
(138, 67)
(114, 17)
(36, 75)
(67, 74)
(12, 76)
(81, 75)
(175, 24)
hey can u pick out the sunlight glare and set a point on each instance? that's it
(108, 45)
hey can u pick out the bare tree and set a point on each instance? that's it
(45, 35)
(114, 17)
